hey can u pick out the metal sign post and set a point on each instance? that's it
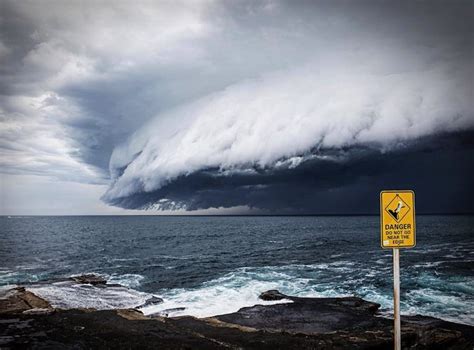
(396, 300)
(397, 230)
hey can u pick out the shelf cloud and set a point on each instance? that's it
(312, 114)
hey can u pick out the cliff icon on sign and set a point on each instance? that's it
(395, 212)
(397, 208)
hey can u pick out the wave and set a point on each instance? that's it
(241, 288)
(432, 296)
(425, 293)
(9, 277)
(219, 296)
(128, 280)
(436, 303)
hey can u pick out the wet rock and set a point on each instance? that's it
(151, 301)
(89, 279)
(166, 312)
(18, 300)
(6, 340)
(105, 329)
(154, 300)
(307, 315)
(132, 314)
(272, 295)
(303, 323)
(38, 311)
(359, 304)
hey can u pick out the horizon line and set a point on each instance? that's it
(223, 215)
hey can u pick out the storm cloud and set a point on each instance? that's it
(282, 106)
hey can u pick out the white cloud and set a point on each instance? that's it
(79, 46)
(33, 141)
(113, 37)
(286, 114)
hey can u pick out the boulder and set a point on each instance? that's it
(151, 301)
(272, 294)
(89, 279)
(18, 300)
(306, 315)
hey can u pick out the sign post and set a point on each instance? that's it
(397, 230)
(397, 339)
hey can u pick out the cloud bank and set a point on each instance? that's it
(319, 113)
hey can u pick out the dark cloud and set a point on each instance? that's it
(438, 168)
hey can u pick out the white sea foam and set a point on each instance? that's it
(238, 289)
(4, 290)
(212, 299)
(432, 302)
(427, 264)
(127, 280)
(8, 277)
(241, 288)
(68, 294)
(448, 299)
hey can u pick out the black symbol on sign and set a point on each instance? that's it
(395, 212)
(394, 208)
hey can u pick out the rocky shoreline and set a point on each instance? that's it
(28, 321)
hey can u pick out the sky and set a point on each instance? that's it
(235, 107)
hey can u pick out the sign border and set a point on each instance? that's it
(381, 219)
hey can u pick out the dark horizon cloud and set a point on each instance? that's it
(192, 105)
(437, 168)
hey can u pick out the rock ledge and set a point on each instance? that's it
(27, 321)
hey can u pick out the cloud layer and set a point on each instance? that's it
(68, 70)
(381, 98)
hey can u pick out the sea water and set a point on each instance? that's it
(216, 265)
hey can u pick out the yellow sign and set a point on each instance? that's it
(397, 219)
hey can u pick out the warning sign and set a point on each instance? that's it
(397, 219)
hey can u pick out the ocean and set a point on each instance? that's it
(213, 265)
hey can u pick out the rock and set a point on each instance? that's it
(151, 301)
(6, 340)
(18, 300)
(38, 311)
(304, 323)
(359, 304)
(89, 279)
(132, 314)
(154, 300)
(307, 315)
(272, 295)
(166, 312)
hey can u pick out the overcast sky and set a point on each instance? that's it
(301, 107)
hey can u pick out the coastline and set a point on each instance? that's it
(29, 321)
